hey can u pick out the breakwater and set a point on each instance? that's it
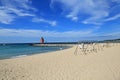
(54, 44)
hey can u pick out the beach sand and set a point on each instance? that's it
(64, 65)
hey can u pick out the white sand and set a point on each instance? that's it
(64, 65)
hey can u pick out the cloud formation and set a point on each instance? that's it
(52, 23)
(113, 18)
(23, 35)
(12, 9)
(97, 11)
(37, 33)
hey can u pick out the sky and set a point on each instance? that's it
(26, 21)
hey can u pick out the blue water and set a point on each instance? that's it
(12, 51)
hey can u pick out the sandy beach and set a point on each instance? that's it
(64, 65)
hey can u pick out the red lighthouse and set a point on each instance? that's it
(42, 40)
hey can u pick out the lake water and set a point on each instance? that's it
(15, 50)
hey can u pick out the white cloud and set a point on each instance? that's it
(96, 10)
(37, 33)
(113, 18)
(11, 9)
(74, 18)
(114, 34)
(5, 17)
(52, 23)
(29, 35)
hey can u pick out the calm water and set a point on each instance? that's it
(13, 51)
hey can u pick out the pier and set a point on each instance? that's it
(54, 44)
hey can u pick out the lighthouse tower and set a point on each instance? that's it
(42, 40)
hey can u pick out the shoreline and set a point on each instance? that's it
(36, 53)
(64, 65)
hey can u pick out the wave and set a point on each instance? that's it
(19, 56)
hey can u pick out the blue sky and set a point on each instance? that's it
(58, 20)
